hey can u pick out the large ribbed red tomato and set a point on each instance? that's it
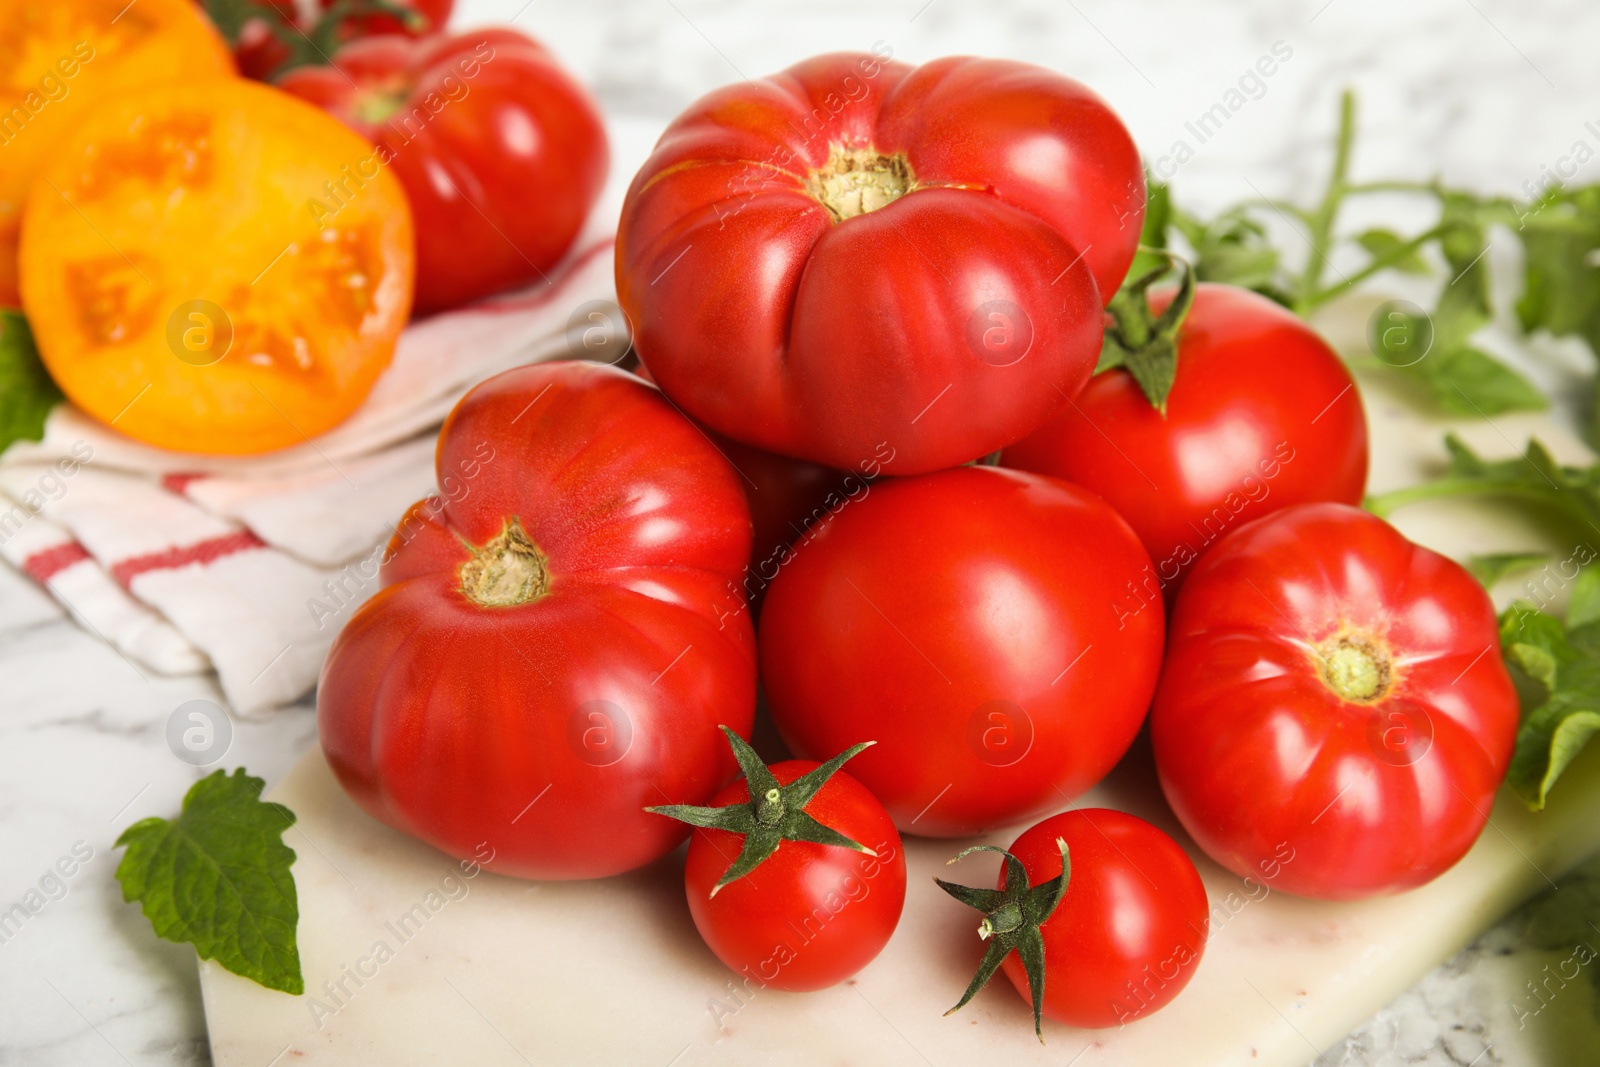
(857, 253)
(1334, 691)
(550, 651)
(501, 152)
(967, 621)
(1262, 415)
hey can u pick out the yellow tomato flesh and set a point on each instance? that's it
(216, 269)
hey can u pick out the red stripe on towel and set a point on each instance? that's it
(49, 562)
(207, 551)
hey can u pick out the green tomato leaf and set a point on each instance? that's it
(1388, 245)
(1557, 671)
(218, 878)
(27, 393)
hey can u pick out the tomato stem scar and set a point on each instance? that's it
(507, 571)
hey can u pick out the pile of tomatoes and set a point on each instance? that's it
(907, 451)
(869, 301)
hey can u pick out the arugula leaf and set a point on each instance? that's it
(1560, 237)
(1233, 249)
(1557, 671)
(1466, 381)
(1492, 567)
(1561, 273)
(218, 877)
(1386, 244)
(1461, 379)
(26, 392)
(1583, 605)
(1571, 493)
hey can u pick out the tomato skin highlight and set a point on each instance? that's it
(1130, 929)
(976, 624)
(946, 315)
(501, 152)
(1375, 792)
(540, 729)
(810, 915)
(1262, 415)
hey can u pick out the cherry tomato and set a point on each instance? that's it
(60, 61)
(1130, 928)
(1262, 415)
(259, 51)
(546, 656)
(501, 153)
(1334, 690)
(810, 915)
(182, 285)
(967, 621)
(856, 253)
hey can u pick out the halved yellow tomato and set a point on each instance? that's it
(217, 269)
(61, 58)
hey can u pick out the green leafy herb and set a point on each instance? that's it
(1401, 255)
(1492, 567)
(1556, 667)
(1011, 920)
(1535, 478)
(218, 877)
(1561, 274)
(27, 394)
(1555, 664)
(1236, 247)
(773, 814)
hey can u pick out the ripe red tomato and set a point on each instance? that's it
(1130, 927)
(966, 621)
(257, 50)
(432, 16)
(856, 253)
(547, 656)
(810, 915)
(1262, 415)
(1337, 690)
(501, 153)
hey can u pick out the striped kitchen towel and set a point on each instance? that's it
(249, 565)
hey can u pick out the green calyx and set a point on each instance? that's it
(774, 814)
(1011, 920)
(1140, 342)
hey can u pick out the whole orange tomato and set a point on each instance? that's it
(59, 60)
(217, 271)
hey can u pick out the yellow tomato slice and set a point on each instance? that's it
(217, 269)
(59, 59)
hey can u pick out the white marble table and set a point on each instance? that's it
(1484, 92)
